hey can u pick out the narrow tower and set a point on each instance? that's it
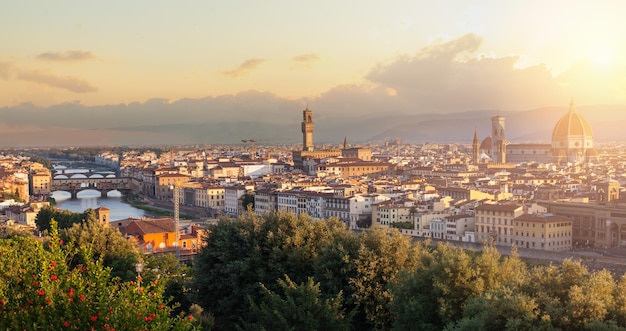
(475, 148)
(345, 142)
(498, 142)
(307, 129)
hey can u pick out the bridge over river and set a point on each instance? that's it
(101, 184)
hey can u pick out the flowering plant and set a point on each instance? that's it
(41, 290)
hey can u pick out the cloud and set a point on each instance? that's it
(245, 68)
(304, 60)
(6, 69)
(448, 76)
(68, 56)
(68, 83)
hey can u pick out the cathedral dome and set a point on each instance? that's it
(571, 125)
(486, 144)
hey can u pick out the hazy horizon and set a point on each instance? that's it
(152, 71)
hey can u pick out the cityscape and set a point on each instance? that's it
(319, 166)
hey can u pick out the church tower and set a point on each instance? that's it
(475, 148)
(307, 130)
(345, 142)
(498, 142)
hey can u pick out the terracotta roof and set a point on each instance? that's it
(505, 208)
(159, 225)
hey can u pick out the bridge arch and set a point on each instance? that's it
(103, 185)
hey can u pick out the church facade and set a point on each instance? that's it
(572, 142)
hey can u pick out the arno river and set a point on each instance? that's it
(91, 199)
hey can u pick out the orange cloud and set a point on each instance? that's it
(68, 56)
(68, 83)
(304, 60)
(245, 68)
(5, 70)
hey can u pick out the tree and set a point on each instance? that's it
(241, 254)
(64, 218)
(382, 255)
(106, 242)
(248, 201)
(297, 307)
(40, 289)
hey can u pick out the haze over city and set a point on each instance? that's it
(202, 72)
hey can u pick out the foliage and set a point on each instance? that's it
(64, 218)
(402, 225)
(40, 159)
(299, 307)
(364, 223)
(248, 201)
(6, 195)
(41, 290)
(106, 242)
(387, 282)
(382, 255)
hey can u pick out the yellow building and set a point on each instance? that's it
(166, 183)
(545, 232)
(354, 169)
(495, 222)
(40, 182)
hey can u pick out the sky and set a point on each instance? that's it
(345, 56)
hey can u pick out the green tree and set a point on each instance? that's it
(248, 201)
(382, 255)
(297, 307)
(243, 253)
(41, 290)
(106, 242)
(64, 218)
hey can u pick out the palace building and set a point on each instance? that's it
(572, 141)
(308, 151)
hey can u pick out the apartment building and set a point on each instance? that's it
(495, 222)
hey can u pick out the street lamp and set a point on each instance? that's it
(139, 269)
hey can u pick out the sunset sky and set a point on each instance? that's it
(441, 55)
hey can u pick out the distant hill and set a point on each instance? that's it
(191, 121)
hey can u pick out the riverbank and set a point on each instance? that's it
(152, 210)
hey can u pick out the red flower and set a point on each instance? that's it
(41, 293)
(71, 292)
(1, 302)
(66, 324)
(160, 306)
(190, 317)
(94, 318)
(48, 301)
(82, 297)
(53, 263)
(35, 283)
(61, 242)
(53, 277)
(106, 326)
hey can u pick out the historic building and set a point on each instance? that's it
(308, 151)
(600, 223)
(572, 141)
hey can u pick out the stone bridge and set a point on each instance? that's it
(103, 185)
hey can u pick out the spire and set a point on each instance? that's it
(475, 136)
(345, 142)
(571, 106)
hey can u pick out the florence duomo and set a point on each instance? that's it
(572, 142)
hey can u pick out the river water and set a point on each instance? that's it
(92, 199)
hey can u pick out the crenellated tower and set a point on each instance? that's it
(307, 129)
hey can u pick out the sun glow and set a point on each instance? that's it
(603, 58)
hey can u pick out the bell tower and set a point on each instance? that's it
(307, 129)
(498, 142)
(475, 148)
